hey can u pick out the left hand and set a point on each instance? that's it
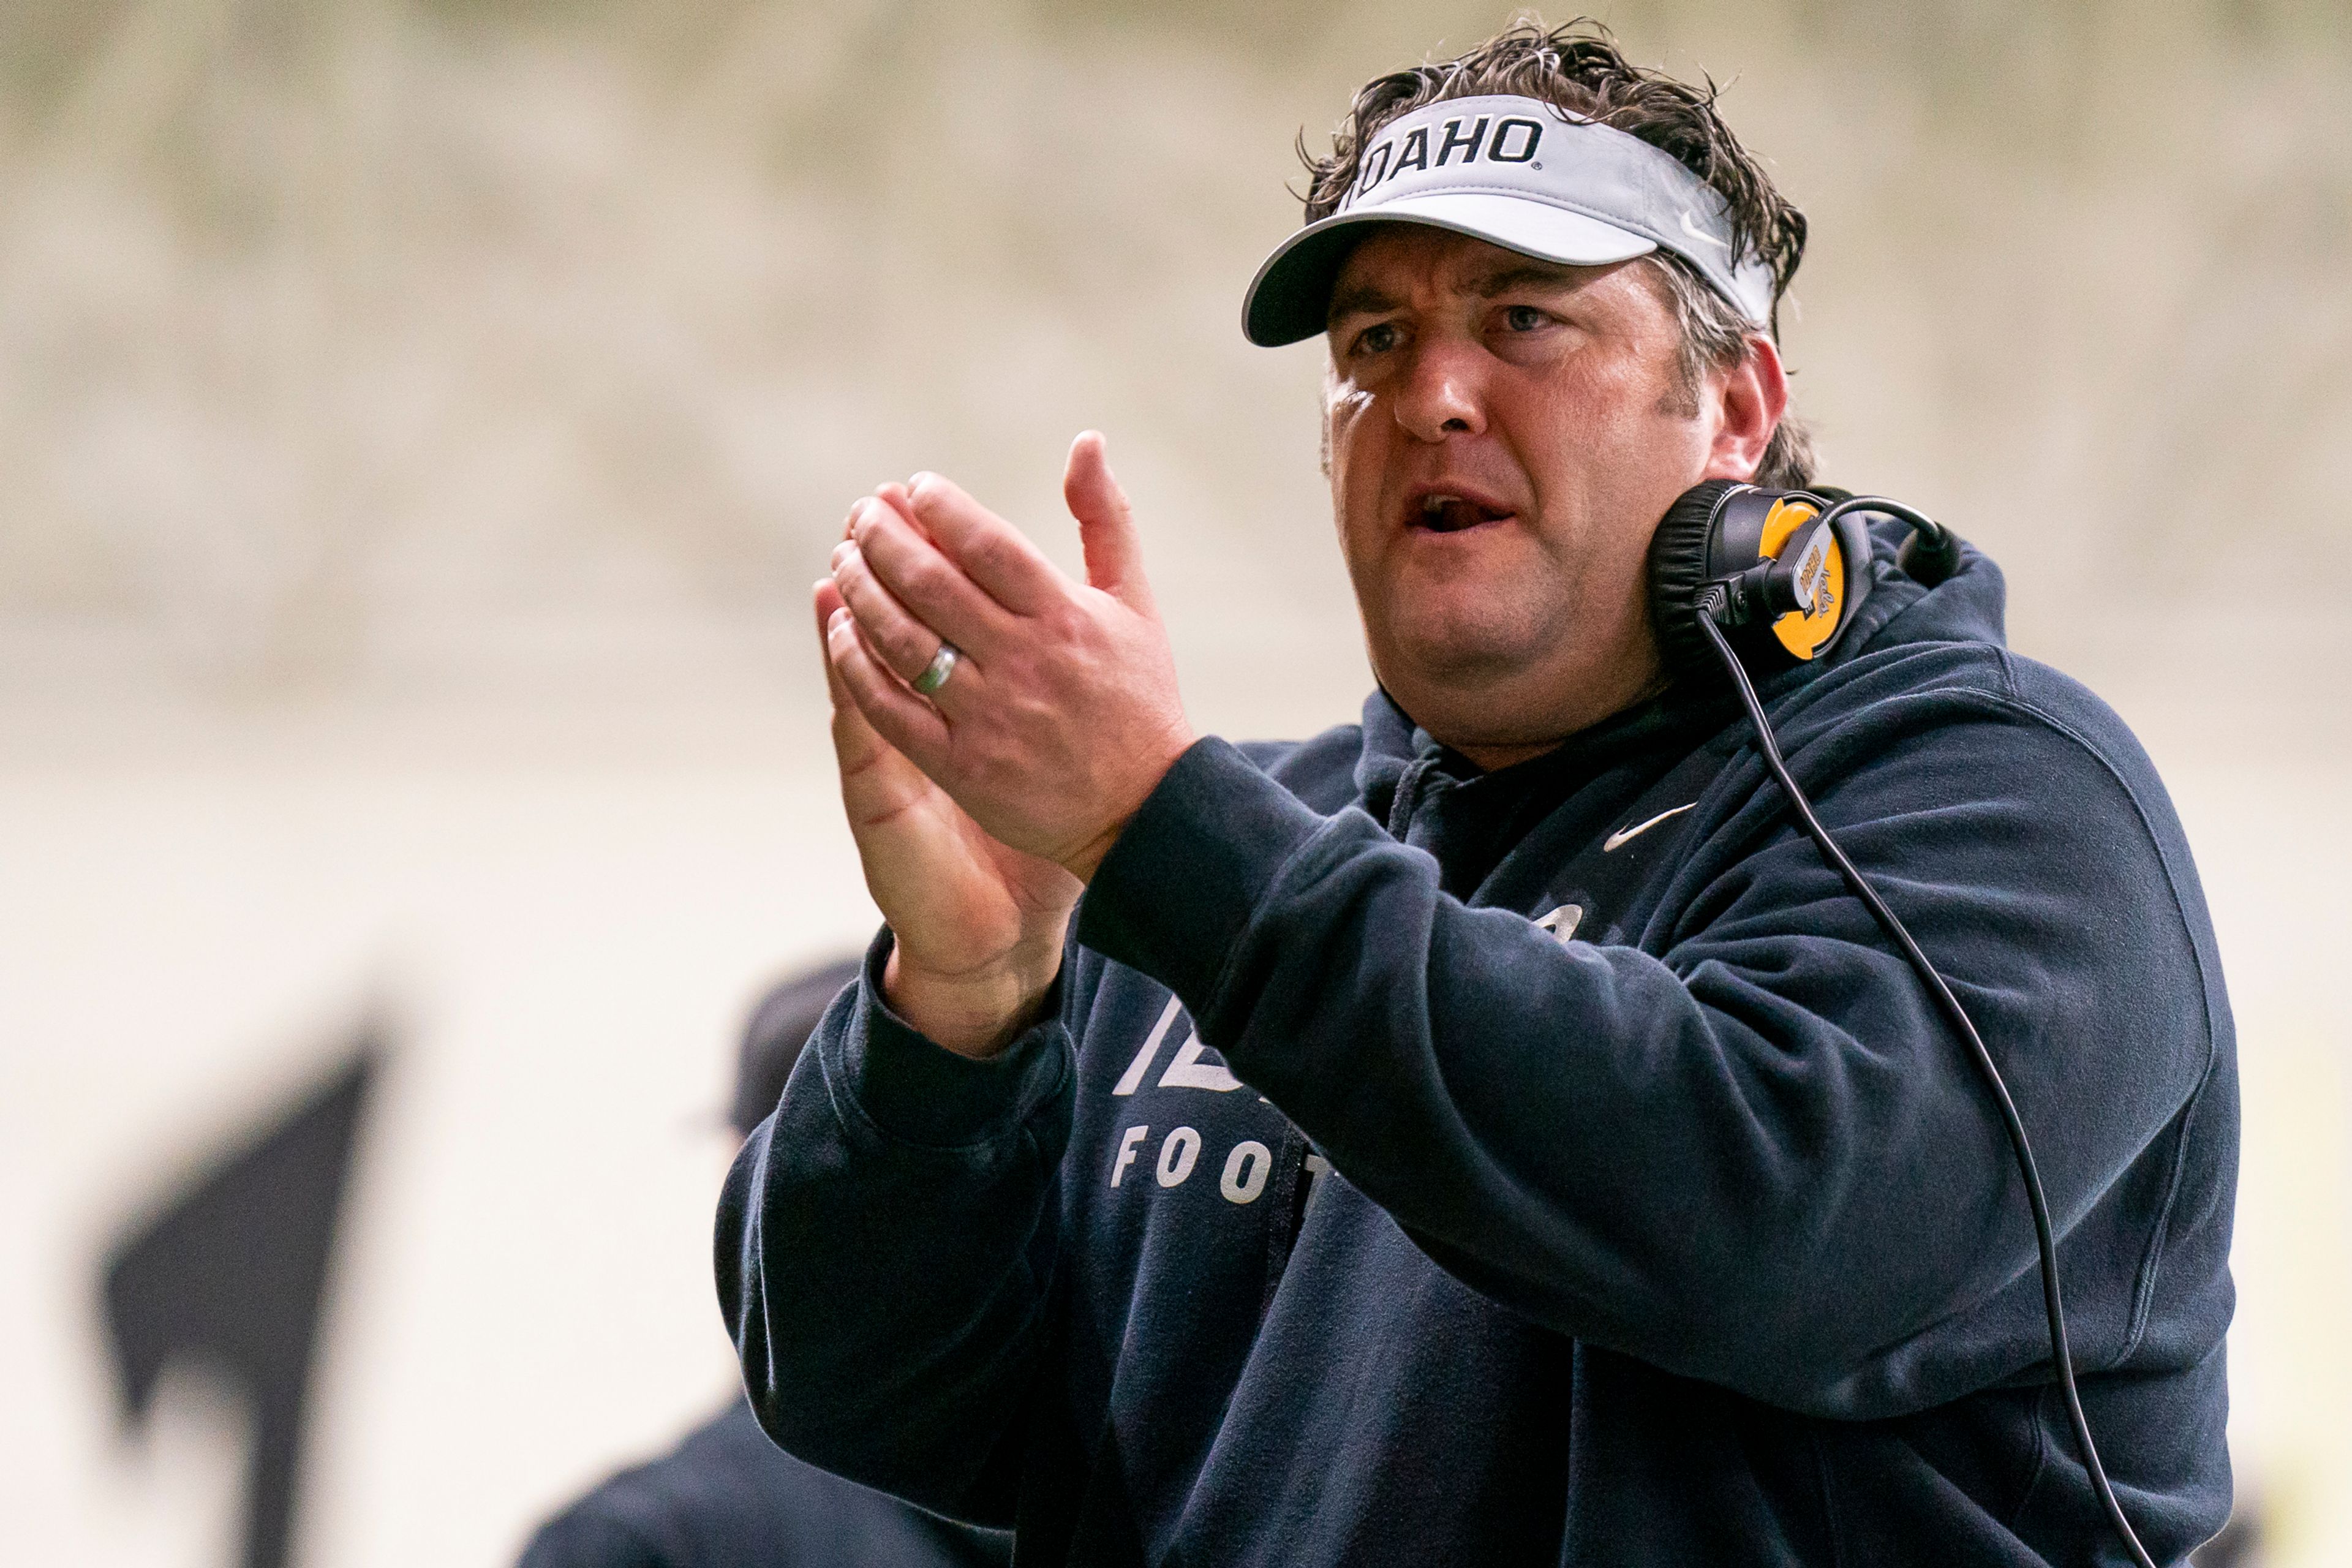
(1062, 714)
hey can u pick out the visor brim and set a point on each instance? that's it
(1289, 300)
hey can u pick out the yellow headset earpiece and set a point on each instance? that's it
(1791, 568)
(1782, 572)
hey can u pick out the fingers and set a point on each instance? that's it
(906, 644)
(850, 730)
(1106, 524)
(855, 745)
(881, 703)
(879, 785)
(992, 552)
(925, 584)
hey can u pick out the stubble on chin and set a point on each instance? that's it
(1458, 655)
(1515, 679)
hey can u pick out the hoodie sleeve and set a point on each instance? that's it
(883, 1245)
(1748, 1151)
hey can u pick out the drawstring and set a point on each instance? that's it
(1408, 795)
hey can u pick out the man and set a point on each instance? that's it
(1337, 1191)
(725, 1495)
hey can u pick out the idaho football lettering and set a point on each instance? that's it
(1514, 141)
(1246, 1166)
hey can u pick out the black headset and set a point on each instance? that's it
(1741, 574)
(1781, 572)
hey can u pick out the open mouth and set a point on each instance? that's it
(1442, 513)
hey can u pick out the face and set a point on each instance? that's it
(1504, 435)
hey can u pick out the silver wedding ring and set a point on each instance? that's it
(935, 674)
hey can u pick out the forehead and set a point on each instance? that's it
(1396, 263)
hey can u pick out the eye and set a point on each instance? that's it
(1524, 318)
(1377, 339)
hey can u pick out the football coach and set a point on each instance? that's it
(1493, 1133)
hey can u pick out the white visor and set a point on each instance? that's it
(1517, 173)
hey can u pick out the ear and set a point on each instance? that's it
(1747, 402)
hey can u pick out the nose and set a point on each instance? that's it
(1443, 391)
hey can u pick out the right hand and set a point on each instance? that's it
(978, 926)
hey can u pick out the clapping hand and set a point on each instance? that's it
(980, 808)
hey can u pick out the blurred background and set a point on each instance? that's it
(420, 422)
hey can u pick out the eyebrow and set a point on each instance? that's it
(1534, 274)
(1363, 299)
(1359, 299)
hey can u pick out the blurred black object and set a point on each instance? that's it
(726, 1494)
(230, 1277)
(779, 1027)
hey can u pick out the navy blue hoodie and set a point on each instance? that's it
(1554, 1166)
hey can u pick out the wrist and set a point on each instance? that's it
(976, 1013)
(1084, 861)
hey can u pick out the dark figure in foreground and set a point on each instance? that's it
(1494, 1133)
(230, 1275)
(726, 1497)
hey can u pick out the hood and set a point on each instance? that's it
(1970, 605)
